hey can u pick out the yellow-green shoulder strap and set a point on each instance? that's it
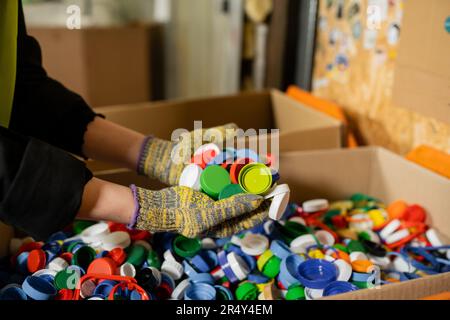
(8, 57)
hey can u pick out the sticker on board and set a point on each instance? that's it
(393, 34)
(370, 39)
(357, 30)
(353, 10)
(447, 24)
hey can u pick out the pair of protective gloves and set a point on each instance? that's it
(181, 209)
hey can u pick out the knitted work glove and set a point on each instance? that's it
(192, 213)
(156, 158)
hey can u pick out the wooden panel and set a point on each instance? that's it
(364, 88)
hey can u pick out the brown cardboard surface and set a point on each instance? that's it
(104, 65)
(300, 127)
(422, 81)
(337, 174)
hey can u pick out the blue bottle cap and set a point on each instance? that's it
(247, 154)
(316, 273)
(338, 287)
(22, 260)
(12, 292)
(202, 278)
(200, 291)
(38, 289)
(104, 288)
(288, 270)
(280, 249)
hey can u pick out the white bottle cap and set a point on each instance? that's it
(95, 233)
(173, 269)
(401, 265)
(391, 227)
(301, 243)
(127, 270)
(315, 205)
(324, 237)
(168, 255)
(312, 294)
(357, 255)
(190, 177)
(118, 239)
(397, 236)
(238, 265)
(299, 220)
(254, 244)
(344, 270)
(178, 292)
(58, 264)
(434, 238)
(45, 272)
(382, 262)
(280, 200)
(144, 244)
(208, 244)
(207, 147)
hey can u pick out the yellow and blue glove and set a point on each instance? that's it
(191, 213)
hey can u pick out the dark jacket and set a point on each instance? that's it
(40, 184)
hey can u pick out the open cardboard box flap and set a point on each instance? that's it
(301, 128)
(337, 174)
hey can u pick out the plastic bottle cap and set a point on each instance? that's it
(200, 291)
(357, 255)
(83, 257)
(87, 288)
(391, 227)
(36, 260)
(206, 147)
(280, 200)
(186, 247)
(118, 255)
(66, 279)
(312, 294)
(298, 220)
(118, 239)
(225, 157)
(208, 244)
(362, 266)
(338, 287)
(190, 177)
(397, 236)
(301, 243)
(213, 180)
(127, 270)
(236, 168)
(246, 291)
(324, 237)
(295, 293)
(230, 190)
(344, 270)
(223, 293)
(254, 244)
(153, 259)
(255, 178)
(137, 255)
(262, 259)
(238, 265)
(172, 268)
(102, 266)
(180, 289)
(401, 265)
(317, 273)
(38, 289)
(315, 205)
(272, 268)
(12, 292)
(58, 264)
(204, 158)
(95, 232)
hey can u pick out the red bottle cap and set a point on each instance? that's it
(67, 256)
(36, 260)
(236, 167)
(64, 294)
(118, 255)
(103, 265)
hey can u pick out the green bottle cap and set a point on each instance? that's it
(362, 285)
(355, 245)
(63, 279)
(247, 291)
(83, 257)
(272, 268)
(341, 247)
(255, 178)
(80, 225)
(292, 230)
(186, 247)
(136, 255)
(295, 293)
(230, 190)
(153, 260)
(214, 179)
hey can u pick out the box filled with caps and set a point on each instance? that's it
(300, 127)
(362, 224)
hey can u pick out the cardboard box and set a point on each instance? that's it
(105, 65)
(422, 74)
(337, 174)
(300, 127)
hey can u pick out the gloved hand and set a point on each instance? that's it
(192, 213)
(155, 160)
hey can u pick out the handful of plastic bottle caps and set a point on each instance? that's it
(224, 173)
(317, 250)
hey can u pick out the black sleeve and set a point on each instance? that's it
(43, 108)
(40, 186)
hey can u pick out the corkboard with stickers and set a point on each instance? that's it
(356, 50)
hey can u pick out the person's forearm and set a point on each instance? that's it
(104, 200)
(109, 142)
